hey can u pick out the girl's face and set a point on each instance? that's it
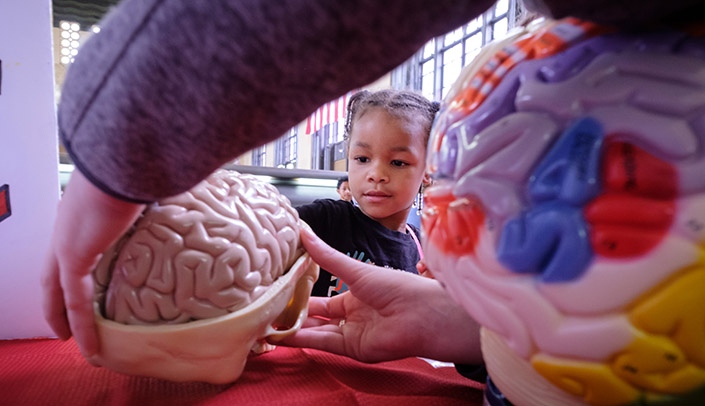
(387, 162)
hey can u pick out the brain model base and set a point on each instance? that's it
(568, 214)
(201, 279)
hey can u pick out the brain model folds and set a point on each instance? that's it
(203, 253)
(568, 213)
(200, 280)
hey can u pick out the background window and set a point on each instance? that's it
(438, 64)
(259, 156)
(285, 149)
(327, 129)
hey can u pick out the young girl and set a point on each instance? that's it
(386, 132)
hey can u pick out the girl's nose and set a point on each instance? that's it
(377, 174)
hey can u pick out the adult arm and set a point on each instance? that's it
(170, 90)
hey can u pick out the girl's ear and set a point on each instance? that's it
(426, 181)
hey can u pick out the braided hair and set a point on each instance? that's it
(402, 104)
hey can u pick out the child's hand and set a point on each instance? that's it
(88, 222)
(386, 314)
(423, 270)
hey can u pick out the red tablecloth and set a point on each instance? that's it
(52, 372)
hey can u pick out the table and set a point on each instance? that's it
(50, 371)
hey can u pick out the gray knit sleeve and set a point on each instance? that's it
(169, 90)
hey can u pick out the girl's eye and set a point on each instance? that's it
(398, 163)
(362, 159)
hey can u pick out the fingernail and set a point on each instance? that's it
(306, 231)
(305, 227)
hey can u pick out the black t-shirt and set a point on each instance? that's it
(346, 228)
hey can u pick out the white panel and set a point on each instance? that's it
(28, 162)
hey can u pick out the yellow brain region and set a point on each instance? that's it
(667, 356)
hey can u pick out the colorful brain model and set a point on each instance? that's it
(568, 214)
(201, 254)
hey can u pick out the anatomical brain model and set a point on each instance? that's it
(568, 214)
(201, 279)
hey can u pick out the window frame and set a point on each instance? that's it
(434, 52)
(286, 149)
(259, 156)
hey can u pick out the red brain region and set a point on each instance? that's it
(203, 253)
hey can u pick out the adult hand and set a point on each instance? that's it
(87, 223)
(386, 314)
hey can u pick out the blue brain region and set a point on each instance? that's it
(551, 238)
